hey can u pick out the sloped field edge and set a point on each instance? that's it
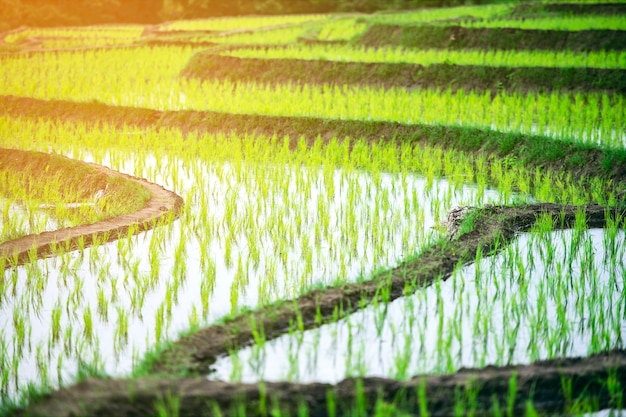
(209, 66)
(162, 206)
(457, 37)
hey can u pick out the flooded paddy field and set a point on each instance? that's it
(366, 221)
(479, 316)
(254, 230)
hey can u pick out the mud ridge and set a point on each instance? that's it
(163, 205)
(457, 37)
(208, 66)
(543, 383)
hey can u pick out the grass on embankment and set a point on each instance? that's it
(456, 37)
(54, 181)
(206, 66)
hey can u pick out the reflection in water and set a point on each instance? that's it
(251, 233)
(17, 220)
(547, 295)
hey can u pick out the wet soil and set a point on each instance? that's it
(477, 392)
(162, 206)
(208, 66)
(457, 37)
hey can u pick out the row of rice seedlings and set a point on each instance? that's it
(241, 23)
(130, 69)
(281, 35)
(182, 38)
(429, 15)
(347, 27)
(492, 58)
(93, 33)
(431, 163)
(593, 117)
(59, 43)
(45, 205)
(567, 23)
(468, 399)
(132, 80)
(17, 220)
(480, 316)
(261, 222)
(342, 29)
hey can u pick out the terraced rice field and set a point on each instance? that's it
(417, 213)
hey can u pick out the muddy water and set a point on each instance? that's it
(548, 295)
(107, 305)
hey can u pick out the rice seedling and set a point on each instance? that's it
(572, 23)
(282, 35)
(430, 15)
(163, 279)
(92, 33)
(341, 29)
(390, 54)
(271, 217)
(574, 315)
(589, 117)
(240, 23)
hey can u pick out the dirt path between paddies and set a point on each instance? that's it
(475, 391)
(162, 206)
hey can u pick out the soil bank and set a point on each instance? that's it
(457, 37)
(208, 66)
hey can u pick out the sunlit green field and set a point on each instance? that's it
(269, 217)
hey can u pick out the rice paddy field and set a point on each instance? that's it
(390, 214)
